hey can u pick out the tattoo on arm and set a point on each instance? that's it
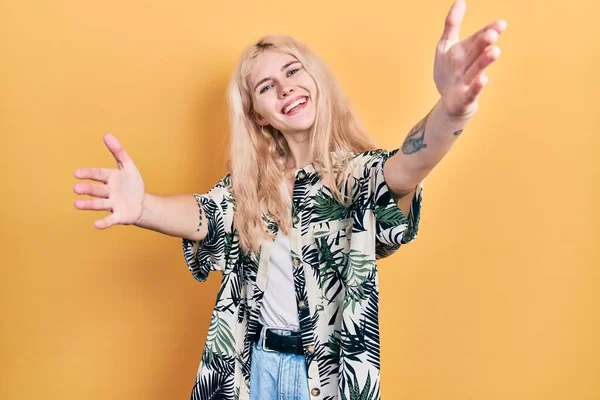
(458, 132)
(415, 140)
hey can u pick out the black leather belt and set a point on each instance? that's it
(283, 344)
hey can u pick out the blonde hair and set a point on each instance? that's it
(258, 156)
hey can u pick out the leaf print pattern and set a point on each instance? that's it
(335, 278)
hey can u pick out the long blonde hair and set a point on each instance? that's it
(258, 156)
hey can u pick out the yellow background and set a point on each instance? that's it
(497, 299)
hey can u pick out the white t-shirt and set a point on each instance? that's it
(279, 308)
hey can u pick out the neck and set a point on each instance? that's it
(299, 143)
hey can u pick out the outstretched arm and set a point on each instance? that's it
(121, 191)
(459, 74)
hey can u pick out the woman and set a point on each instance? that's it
(297, 224)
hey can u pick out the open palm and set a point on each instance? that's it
(459, 66)
(121, 190)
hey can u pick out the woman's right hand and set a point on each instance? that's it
(121, 190)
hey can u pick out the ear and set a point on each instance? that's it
(259, 119)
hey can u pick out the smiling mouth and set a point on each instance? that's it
(295, 106)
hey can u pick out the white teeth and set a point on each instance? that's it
(294, 104)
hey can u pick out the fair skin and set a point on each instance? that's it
(122, 192)
(279, 81)
(459, 74)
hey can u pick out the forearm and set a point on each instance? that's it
(175, 215)
(426, 144)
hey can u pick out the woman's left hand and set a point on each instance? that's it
(459, 66)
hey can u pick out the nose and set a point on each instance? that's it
(286, 91)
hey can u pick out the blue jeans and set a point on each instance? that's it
(277, 376)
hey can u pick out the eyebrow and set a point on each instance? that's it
(267, 78)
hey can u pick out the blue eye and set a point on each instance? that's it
(264, 89)
(293, 71)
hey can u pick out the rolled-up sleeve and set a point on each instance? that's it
(392, 227)
(210, 254)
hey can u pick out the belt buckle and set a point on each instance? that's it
(264, 335)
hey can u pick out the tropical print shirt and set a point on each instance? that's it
(334, 250)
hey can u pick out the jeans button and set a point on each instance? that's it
(315, 392)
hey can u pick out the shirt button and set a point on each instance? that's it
(310, 349)
(301, 304)
(301, 175)
(295, 220)
(315, 392)
(296, 262)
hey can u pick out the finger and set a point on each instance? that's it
(490, 55)
(93, 204)
(106, 222)
(96, 174)
(116, 149)
(91, 189)
(482, 42)
(453, 21)
(475, 90)
(498, 25)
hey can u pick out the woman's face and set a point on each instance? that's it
(283, 93)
